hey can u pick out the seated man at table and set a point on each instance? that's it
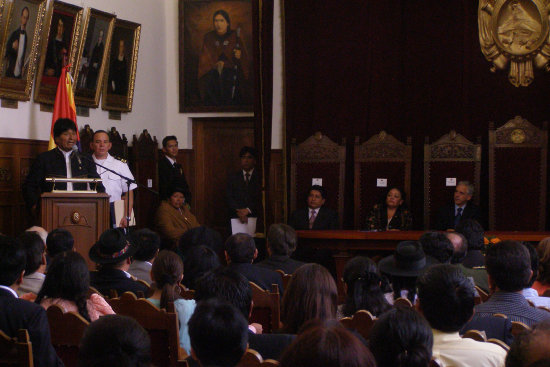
(315, 215)
(450, 215)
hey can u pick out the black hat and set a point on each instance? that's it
(112, 248)
(408, 260)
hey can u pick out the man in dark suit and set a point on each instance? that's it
(17, 47)
(240, 252)
(171, 172)
(450, 215)
(315, 215)
(114, 254)
(18, 314)
(243, 187)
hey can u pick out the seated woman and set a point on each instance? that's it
(167, 273)
(391, 215)
(67, 283)
(364, 288)
(174, 218)
(542, 284)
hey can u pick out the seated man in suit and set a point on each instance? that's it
(240, 252)
(243, 187)
(450, 215)
(148, 244)
(316, 215)
(114, 254)
(171, 172)
(281, 243)
(18, 314)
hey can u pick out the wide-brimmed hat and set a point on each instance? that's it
(112, 247)
(408, 260)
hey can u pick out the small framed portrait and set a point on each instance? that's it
(59, 48)
(93, 53)
(19, 47)
(120, 77)
(216, 55)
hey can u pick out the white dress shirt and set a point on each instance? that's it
(67, 156)
(115, 186)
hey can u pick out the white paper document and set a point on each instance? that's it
(238, 227)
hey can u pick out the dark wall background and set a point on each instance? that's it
(412, 68)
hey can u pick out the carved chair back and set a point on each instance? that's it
(86, 135)
(66, 330)
(16, 352)
(266, 310)
(145, 168)
(119, 144)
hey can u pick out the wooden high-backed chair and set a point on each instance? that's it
(86, 135)
(119, 144)
(382, 156)
(266, 310)
(517, 176)
(452, 156)
(66, 330)
(16, 352)
(318, 157)
(145, 168)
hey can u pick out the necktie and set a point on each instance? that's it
(247, 178)
(312, 219)
(458, 216)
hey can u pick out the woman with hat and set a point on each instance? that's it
(174, 218)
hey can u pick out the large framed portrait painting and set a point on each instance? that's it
(216, 55)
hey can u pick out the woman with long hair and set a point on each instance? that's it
(391, 214)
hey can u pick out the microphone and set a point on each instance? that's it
(77, 154)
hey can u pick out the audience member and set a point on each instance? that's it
(198, 261)
(41, 232)
(473, 231)
(18, 314)
(401, 337)
(35, 264)
(446, 299)
(311, 294)
(240, 252)
(451, 215)
(460, 248)
(115, 341)
(363, 286)
(243, 187)
(281, 244)
(530, 349)
(327, 345)
(200, 236)
(316, 215)
(67, 284)
(438, 246)
(148, 244)
(391, 214)
(58, 241)
(113, 253)
(529, 293)
(171, 172)
(509, 268)
(542, 284)
(229, 286)
(403, 267)
(218, 334)
(167, 272)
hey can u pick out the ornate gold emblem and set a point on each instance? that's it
(517, 136)
(515, 32)
(75, 217)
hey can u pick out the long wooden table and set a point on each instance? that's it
(345, 243)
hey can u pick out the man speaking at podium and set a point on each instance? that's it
(64, 161)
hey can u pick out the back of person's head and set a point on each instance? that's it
(363, 283)
(401, 337)
(167, 272)
(508, 265)
(311, 294)
(41, 232)
(198, 261)
(437, 245)
(227, 285)
(200, 236)
(473, 231)
(67, 278)
(543, 250)
(328, 344)
(147, 243)
(61, 125)
(530, 348)
(460, 246)
(446, 297)
(115, 340)
(12, 260)
(59, 240)
(34, 248)
(240, 248)
(281, 239)
(218, 333)
(534, 257)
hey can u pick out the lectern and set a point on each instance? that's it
(85, 215)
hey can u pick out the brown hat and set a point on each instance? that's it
(112, 247)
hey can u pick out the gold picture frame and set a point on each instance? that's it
(120, 76)
(18, 65)
(60, 45)
(93, 54)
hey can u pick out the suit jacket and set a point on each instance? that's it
(141, 270)
(494, 327)
(170, 176)
(446, 215)
(106, 279)
(326, 219)
(261, 276)
(52, 164)
(18, 314)
(270, 345)
(240, 195)
(31, 283)
(11, 54)
(278, 262)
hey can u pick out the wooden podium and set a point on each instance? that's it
(85, 215)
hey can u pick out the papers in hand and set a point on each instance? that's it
(119, 213)
(238, 227)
